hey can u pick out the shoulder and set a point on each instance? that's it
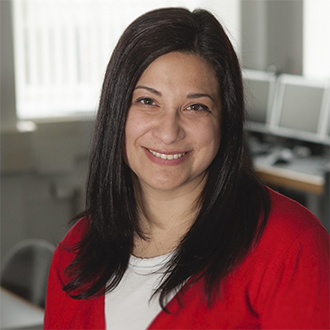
(62, 311)
(76, 232)
(288, 220)
(292, 234)
(69, 245)
(293, 251)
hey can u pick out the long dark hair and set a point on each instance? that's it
(233, 199)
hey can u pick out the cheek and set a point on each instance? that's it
(136, 124)
(216, 134)
(215, 139)
(209, 137)
(211, 144)
(135, 128)
(129, 133)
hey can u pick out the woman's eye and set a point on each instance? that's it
(198, 107)
(146, 101)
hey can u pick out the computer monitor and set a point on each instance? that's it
(259, 87)
(325, 125)
(300, 108)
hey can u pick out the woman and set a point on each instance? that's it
(178, 233)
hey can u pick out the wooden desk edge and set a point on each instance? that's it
(36, 307)
(292, 180)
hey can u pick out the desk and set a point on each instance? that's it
(290, 179)
(305, 175)
(18, 313)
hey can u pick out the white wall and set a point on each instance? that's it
(316, 38)
(272, 35)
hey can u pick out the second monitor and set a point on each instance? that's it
(301, 108)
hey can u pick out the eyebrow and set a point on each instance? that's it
(151, 90)
(199, 95)
(189, 96)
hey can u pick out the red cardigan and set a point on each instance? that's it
(282, 284)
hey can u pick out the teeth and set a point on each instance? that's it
(164, 156)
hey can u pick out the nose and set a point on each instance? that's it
(169, 128)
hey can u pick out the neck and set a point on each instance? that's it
(165, 217)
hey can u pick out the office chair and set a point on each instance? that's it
(25, 269)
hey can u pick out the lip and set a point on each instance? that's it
(164, 157)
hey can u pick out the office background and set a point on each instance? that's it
(44, 161)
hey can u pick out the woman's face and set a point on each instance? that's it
(173, 126)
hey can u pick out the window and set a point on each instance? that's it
(61, 51)
(316, 38)
(62, 48)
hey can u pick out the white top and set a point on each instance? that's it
(129, 306)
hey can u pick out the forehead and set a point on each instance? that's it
(186, 69)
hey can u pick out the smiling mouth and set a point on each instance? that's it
(165, 156)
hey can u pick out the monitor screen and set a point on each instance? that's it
(259, 89)
(326, 125)
(300, 107)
